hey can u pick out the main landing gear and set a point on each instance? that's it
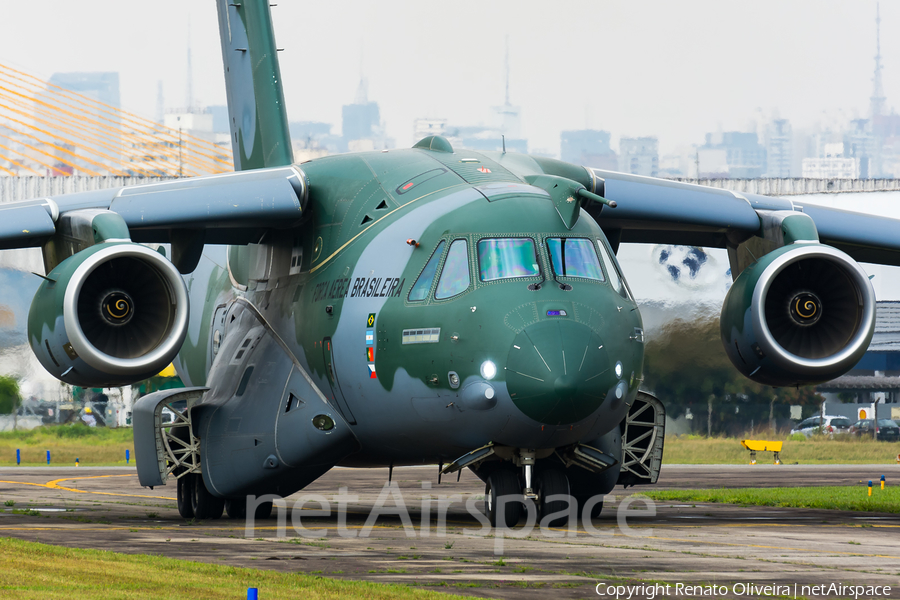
(195, 501)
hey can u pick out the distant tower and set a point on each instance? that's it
(189, 89)
(506, 72)
(160, 102)
(876, 102)
(507, 118)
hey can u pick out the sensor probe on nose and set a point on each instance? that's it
(583, 193)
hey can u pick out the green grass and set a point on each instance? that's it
(696, 450)
(93, 446)
(39, 571)
(837, 497)
(99, 446)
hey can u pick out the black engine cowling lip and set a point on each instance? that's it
(159, 357)
(851, 353)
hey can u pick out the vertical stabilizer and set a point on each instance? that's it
(256, 112)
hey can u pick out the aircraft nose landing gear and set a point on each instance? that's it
(509, 490)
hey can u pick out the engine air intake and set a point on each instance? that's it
(112, 314)
(813, 307)
(802, 314)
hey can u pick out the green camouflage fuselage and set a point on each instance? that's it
(415, 390)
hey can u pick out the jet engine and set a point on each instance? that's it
(110, 315)
(802, 314)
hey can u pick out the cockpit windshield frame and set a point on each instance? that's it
(598, 276)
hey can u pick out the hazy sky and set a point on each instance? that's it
(672, 69)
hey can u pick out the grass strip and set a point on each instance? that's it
(843, 450)
(834, 497)
(32, 570)
(93, 446)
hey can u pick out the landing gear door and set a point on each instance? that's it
(310, 434)
(336, 394)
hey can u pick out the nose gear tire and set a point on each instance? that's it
(503, 484)
(596, 507)
(552, 482)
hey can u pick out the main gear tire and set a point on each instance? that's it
(205, 505)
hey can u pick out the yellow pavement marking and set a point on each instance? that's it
(54, 485)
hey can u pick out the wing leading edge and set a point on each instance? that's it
(234, 208)
(654, 210)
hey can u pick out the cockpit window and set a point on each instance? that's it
(506, 258)
(612, 267)
(422, 286)
(574, 257)
(455, 276)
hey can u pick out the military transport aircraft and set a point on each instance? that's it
(429, 305)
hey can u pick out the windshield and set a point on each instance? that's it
(506, 258)
(840, 422)
(420, 289)
(886, 423)
(455, 276)
(574, 257)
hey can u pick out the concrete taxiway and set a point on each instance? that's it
(681, 543)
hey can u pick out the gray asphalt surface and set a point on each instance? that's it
(693, 544)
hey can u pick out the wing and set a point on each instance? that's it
(234, 208)
(653, 210)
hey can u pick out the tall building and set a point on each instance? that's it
(361, 123)
(832, 163)
(72, 116)
(865, 148)
(639, 156)
(779, 148)
(102, 87)
(589, 147)
(732, 155)
(313, 139)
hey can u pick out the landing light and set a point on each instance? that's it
(488, 369)
(619, 370)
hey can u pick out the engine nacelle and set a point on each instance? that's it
(802, 314)
(110, 315)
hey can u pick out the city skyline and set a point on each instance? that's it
(671, 72)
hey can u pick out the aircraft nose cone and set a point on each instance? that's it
(558, 372)
(565, 386)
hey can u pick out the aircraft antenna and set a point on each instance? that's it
(503, 140)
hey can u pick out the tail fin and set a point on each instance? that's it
(256, 112)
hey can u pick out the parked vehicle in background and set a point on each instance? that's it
(886, 430)
(829, 425)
